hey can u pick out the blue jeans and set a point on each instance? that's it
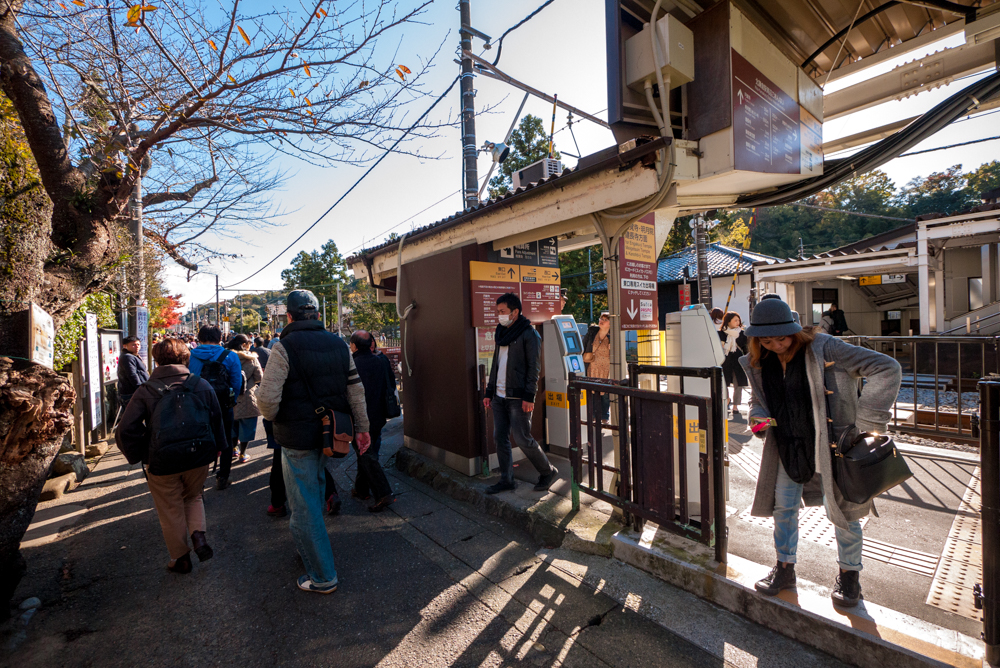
(305, 483)
(605, 407)
(510, 420)
(787, 497)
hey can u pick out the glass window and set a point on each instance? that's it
(975, 293)
(822, 299)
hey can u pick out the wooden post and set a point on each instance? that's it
(81, 437)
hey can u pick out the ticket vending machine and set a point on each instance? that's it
(563, 355)
(692, 341)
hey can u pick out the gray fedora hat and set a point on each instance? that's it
(772, 317)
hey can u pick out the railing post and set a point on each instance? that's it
(719, 464)
(573, 395)
(988, 596)
(483, 417)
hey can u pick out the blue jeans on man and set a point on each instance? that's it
(787, 498)
(510, 420)
(305, 483)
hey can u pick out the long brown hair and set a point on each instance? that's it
(799, 340)
(729, 316)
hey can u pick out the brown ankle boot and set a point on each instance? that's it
(201, 547)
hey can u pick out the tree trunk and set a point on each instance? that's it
(36, 411)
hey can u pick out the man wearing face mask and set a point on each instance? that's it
(510, 394)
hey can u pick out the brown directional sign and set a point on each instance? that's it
(637, 266)
(489, 281)
(765, 123)
(540, 293)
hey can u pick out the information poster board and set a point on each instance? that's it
(42, 337)
(489, 281)
(92, 368)
(111, 352)
(142, 331)
(637, 265)
(540, 296)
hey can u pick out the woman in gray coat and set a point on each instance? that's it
(793, 373)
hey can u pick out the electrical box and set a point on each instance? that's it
(535, 172)
(676, 55)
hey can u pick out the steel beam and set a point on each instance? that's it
(928, 73)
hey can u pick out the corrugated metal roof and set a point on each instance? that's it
(722, 261)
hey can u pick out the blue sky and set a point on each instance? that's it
(561, 51)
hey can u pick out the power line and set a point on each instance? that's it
(941, 148)
(852, 213)
(518, 25)
(356, 183)
(386, 231)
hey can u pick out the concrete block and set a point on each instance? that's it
(54, 488)
(70, 463)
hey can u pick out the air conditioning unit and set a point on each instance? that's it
(536, 171)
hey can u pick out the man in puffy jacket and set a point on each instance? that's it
(510, 394)
(310, 369)
(208, 351)
(131, 371)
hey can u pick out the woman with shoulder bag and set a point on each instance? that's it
(795, 375)
(246, 412)
(597, 357)
(734, 346)
(173, 425)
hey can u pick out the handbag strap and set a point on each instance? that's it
(318, 406)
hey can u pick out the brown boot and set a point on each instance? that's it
(201, 547)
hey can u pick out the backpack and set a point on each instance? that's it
(217, 375)
(181, 428)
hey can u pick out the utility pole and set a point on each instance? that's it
(701, 252)
(218, 313)
(590, 283)
(340, 317)
(139, 298)
(469, 152)
(802, 250)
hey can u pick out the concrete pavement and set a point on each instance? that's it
(433, 582)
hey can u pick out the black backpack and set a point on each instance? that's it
(217, 375)
(181, 428)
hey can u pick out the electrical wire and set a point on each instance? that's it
(518, 25)
(941, 148)
(356, 183)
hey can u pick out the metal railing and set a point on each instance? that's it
(987, 594)
(944, 365)
(650, 481)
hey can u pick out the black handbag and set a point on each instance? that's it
(865, 464)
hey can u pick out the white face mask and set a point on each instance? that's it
(504, 319)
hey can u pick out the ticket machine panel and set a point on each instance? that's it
(563, 356)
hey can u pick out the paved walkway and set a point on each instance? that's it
(432, 583)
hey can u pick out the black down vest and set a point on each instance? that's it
(326, 358)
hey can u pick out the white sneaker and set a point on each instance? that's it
(305, 583)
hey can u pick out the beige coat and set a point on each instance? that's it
(246, 405)
(833, 365)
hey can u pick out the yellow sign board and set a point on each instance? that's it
(640, 244)
(561, 399)
(870, 280)
(540, 275)
(489, 271)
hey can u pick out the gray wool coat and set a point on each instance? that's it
(831, 364)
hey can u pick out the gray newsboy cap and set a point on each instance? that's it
(772, 317)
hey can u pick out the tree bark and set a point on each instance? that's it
(36, 411)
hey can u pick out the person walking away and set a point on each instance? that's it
(510, 394)
(597, 357)
(131, 371)
(274, 339)
(261, 351)
(246, 412)
(221, 368)
(310, 369)
(717, 315)
(379, 381)
(174, 426)
(833, 321)
(734, 346)
(795, 375)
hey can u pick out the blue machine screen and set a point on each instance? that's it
(575, 363)
(573, 346)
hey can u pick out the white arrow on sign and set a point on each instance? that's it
(633, 310)
(739, 94)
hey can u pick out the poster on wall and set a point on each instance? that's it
(42, 333)
(142, 331)
(111, 351)
(93, 371)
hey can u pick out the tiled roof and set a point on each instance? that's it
(722, 261)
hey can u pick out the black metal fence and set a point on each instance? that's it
(650, 480)
(987, 595)
(938, 397)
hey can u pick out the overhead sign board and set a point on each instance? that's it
(882, 279)
(542, 253)
(489, 281)
(540, 293)
(766, 124)
(637, 267)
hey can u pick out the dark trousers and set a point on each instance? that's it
(371, 478)
(226, 458)
(279, 495)
(269, 432)
(510, 421)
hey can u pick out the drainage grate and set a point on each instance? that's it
(961, 564)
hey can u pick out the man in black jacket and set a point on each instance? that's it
(131, 371)
(312, 370)
(378, 379)
(510, 394)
